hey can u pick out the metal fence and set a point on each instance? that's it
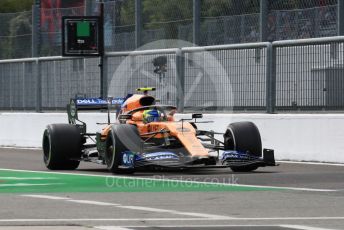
(49, 40)
(15, 35)
(302, 23)
(46, 83)
(128, 71)
(224, 78)
(292, 75)
(18, 83)
(309, 74)
(129, 24)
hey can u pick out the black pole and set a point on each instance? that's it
(340, 18)
(101, 61)
(36, 28)
(263, 20)
(196, 21)
(138, 23)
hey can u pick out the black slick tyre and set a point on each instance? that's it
(243, 137)
(122, 138)
(62, 145)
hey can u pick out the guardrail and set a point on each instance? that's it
(290, 75)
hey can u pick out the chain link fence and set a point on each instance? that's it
(119, 25)
(18, 83)
(50, 30)
(15, 35)
(309, 76)
(46, 83)
(285, 75)
(62, 79)
(293, 75)
(317, 21)
(219, 21)
(130, 71)
(226, 22)
(167, 20)
(225, 79)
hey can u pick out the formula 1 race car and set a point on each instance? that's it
(146, 135)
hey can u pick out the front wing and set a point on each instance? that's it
(167, 159)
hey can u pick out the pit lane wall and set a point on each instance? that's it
(299, 137)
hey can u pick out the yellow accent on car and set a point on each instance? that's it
(145, 89)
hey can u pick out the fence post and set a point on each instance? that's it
(36, 31)
(340, 18)
(138, 23)
(270, 78)
(263, 20)
(196, 21)
(88, 8)
(103, 79)
(36, 51)
(180, 65)
(39, 86)
(105, 76)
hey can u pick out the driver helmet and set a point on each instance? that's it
(151, 115)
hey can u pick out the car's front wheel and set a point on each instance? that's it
(122, 143)
(243, 137)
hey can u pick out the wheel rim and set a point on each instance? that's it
(231, 140)
(110, 155)
(46, 149)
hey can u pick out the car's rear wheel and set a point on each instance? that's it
(123, 141)
(243, 137)
(62, 144)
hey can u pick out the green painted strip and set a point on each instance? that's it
(58, 183)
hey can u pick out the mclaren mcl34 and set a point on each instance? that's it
(147, 135)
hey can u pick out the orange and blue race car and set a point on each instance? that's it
(147, 135)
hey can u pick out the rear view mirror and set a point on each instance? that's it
(197, 115)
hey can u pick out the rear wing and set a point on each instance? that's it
(77, 104)
(96, 103)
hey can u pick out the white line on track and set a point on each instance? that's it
(291, 218)
(195, 214)
(27, 178)
(310, 163)
(140, 208)
(301, 227)
(27, 184)
(93, 202)
(113, 228)
(177, 219)
(288, 188)
(20, 148)
(47, 197)
(173, 180)
(103, 219)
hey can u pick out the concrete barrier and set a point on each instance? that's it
(300, 137)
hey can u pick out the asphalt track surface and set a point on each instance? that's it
(290, 196)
